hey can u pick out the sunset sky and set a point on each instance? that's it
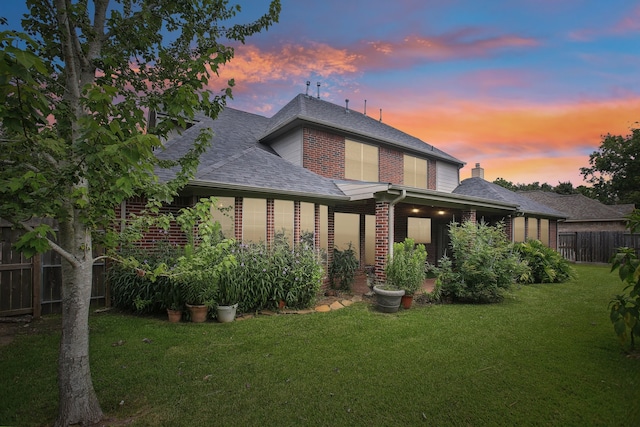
(527, 88)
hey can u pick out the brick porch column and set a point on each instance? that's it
(296, 222)
(237, 219)
(270, 222)
(382, 239)
(316, 227)
(331, 233)
(469, 215)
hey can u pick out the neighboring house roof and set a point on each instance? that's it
(304, 108)
(578, 207)
(236, 160)
(478, 187)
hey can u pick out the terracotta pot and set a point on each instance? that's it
(198, 313)
(174, 315)
(406, 301)
(281, 304)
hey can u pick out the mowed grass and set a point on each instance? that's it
(547, 355)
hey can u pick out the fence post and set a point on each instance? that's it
(36, 284)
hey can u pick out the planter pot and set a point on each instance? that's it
(281, 304)
(198, 313)
(226, 313)
(174, 315)
(406, 301)
(388, 301)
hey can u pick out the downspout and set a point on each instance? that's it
(392, 218)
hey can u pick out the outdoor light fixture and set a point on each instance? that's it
(441, 212)
(415, 210)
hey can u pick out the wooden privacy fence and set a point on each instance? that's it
(595, 246)
(34, 286)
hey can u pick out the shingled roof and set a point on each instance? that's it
(322, 113)
(578, 207)
(236, 159)
(478, 187)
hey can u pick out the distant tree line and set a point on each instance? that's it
(613, 172)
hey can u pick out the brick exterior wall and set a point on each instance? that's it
(390, 166)
(323, 153)
(237, 211)
(174, 235)
(270, 221)
(382, 239)
(296, 222)
(431, 174)
(553, 234)
(469, 215)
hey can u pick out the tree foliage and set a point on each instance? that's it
(74, 91)
(614, 169)
(625, 307)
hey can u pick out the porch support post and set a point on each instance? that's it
(382, 238)
(331, 233)
(469, 215)
(316, 227)
(270, 222)
(237, 218)
(296, 222)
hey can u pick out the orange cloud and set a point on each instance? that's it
(519, 141)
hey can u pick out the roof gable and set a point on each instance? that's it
(304, 108)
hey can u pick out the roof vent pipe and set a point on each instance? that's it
(381, 115)
(308, 84)
(318, 84)
(347, 105)
(365, 107)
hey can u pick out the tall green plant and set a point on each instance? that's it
(547, 265)
(484, 263)
(342, 269)
(625, 307)
(406, 268)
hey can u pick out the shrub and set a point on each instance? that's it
(406, 268)
(266, 276)
(133, 290)
(342, 269)
(547, 265)
(483, 264)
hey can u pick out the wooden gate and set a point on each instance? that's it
(34, 286)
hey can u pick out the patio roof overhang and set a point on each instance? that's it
(390, 192)
(205, 188)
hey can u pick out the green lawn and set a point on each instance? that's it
(547, 355)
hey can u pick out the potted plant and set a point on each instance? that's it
(405, 269)
(206, 256)
(173, 299)
(228, 294)
(388, 297)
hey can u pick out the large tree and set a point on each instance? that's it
(614, 169)
(75, 140)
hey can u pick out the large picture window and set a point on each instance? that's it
(544, 231)
(283, 219)
(415, 172)
(419, 229)
(532, 228)
(518, 229)
(223, 212)
(360, 161)
(347, 230)
(254, 220)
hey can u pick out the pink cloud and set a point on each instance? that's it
(629, 24)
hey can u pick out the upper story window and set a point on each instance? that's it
(360, 161)
(415, 172)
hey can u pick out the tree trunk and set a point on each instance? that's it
(78, 403)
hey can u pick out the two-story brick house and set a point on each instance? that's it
(343, 177)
